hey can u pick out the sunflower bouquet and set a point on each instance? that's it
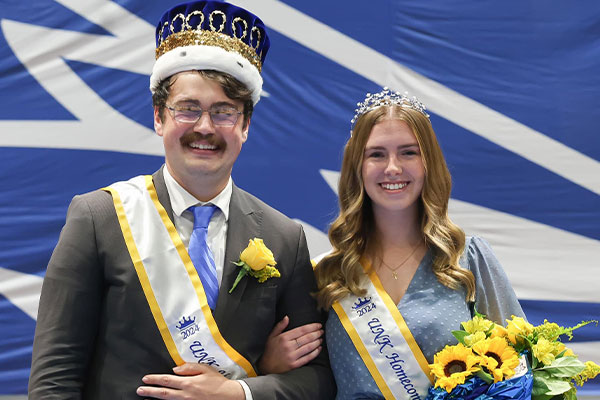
(519, 361)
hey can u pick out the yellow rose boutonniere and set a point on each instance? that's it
(258, 261)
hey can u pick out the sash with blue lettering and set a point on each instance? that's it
(170, 281)
(384, 342)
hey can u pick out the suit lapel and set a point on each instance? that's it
(244, 224)
(161, 190)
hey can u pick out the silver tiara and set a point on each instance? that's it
(387, 98)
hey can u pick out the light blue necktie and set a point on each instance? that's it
(201, 255)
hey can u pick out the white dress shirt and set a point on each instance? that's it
(181, 200)
(216, 237)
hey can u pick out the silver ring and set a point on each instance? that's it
(297, 344)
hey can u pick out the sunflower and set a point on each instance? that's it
(498, 357)
(453, 365)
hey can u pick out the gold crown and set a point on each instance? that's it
(190, 35)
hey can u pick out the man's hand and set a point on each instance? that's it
(192, 382)
(291, 349)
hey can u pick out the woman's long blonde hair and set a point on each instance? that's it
(339, 273)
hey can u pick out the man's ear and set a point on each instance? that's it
(245, 131)
(157, 122)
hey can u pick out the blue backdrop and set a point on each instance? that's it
(512, 88)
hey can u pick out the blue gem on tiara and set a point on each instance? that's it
(387, 98)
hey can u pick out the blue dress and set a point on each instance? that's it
(431, 311)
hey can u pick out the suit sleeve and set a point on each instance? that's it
(70, 303)
(315, 379)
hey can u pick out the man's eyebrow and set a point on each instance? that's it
(223, 103)
(187, 101)
(197, 103)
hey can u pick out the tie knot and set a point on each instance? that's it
(202, 215)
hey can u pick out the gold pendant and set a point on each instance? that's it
(394, 275)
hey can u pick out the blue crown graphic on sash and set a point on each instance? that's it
(185, 322)
(361, 303)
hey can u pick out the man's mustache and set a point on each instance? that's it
(211, 139)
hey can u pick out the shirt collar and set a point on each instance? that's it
(181, 199)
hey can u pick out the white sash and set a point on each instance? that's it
(384, 342)
(170, 281)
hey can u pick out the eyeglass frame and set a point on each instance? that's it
(172, 110)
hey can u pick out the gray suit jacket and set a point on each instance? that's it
(95, 335)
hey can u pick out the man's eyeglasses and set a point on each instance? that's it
(220, 116)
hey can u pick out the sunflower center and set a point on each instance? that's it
(494, 356)
(455, 366)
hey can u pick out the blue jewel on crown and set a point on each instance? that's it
(361, 303)
(185, 322)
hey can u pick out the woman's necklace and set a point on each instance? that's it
(393, 270)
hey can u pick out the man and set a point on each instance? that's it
(138, 286)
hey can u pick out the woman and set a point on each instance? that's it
(401, 276)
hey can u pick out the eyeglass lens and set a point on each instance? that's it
(219, 116)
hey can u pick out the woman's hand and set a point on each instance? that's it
(285, 351)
